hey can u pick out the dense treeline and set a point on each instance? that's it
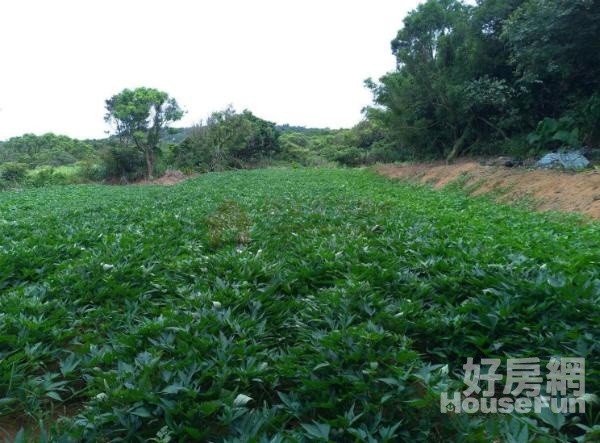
(516, 77)
(48, 149)
(502, 76)
(48, 159)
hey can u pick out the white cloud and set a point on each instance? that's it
(290, 61)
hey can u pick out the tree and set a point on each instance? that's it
(140, 115)
(227, 139)
(555, 47)
(477, 78)
(423, 101)
(454, 88)
(260, 138)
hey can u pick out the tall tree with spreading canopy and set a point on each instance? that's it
(139, 116)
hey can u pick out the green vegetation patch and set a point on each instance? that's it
(281, 305)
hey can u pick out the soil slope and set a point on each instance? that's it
(549, 190)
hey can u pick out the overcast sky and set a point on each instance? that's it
(301, 62)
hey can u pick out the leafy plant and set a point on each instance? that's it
(229, 224)
(552, 133)
(13, 172)
(281, 305)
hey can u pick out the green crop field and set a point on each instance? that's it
(281, 305)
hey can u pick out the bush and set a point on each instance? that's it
(193, 153)
(552, 134)
(47, 176)
(350, 156)
(41, 177)
(13, 172)
(382, 152)
(227, 140)
(123, 163)
(296, 154)
(92, 172)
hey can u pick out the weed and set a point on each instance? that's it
(229, 224)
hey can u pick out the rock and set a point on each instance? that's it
(572, 160)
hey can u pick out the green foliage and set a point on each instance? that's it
(48, 149)
(140, 115)
(349, 156)
(227, 140)
(229, 224)
(45, 176)
(545, 48)
(366, 143)
(123, 163)
(302, 148)
(325, 309)
(295, 147)
(50, 159)
(92, 172)
(472, 77)
(13, 172)
(82, 172)
(551, 133)
(586, 113)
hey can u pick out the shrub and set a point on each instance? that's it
(92, 172)
(227, 140)
(123, 163)
(13, 172)
(46, 176)
(40, 177)
(160, 167)
(382, 152)
(551, 134)
(350, 156)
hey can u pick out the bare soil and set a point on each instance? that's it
(170, 177)
(547, 190)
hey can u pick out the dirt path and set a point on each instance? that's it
(549, 190)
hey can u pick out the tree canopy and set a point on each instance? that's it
(47, 149)
(228, 139)
(139, 116)
(476, 78)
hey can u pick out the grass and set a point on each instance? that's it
(280, 305)
(68, 171)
